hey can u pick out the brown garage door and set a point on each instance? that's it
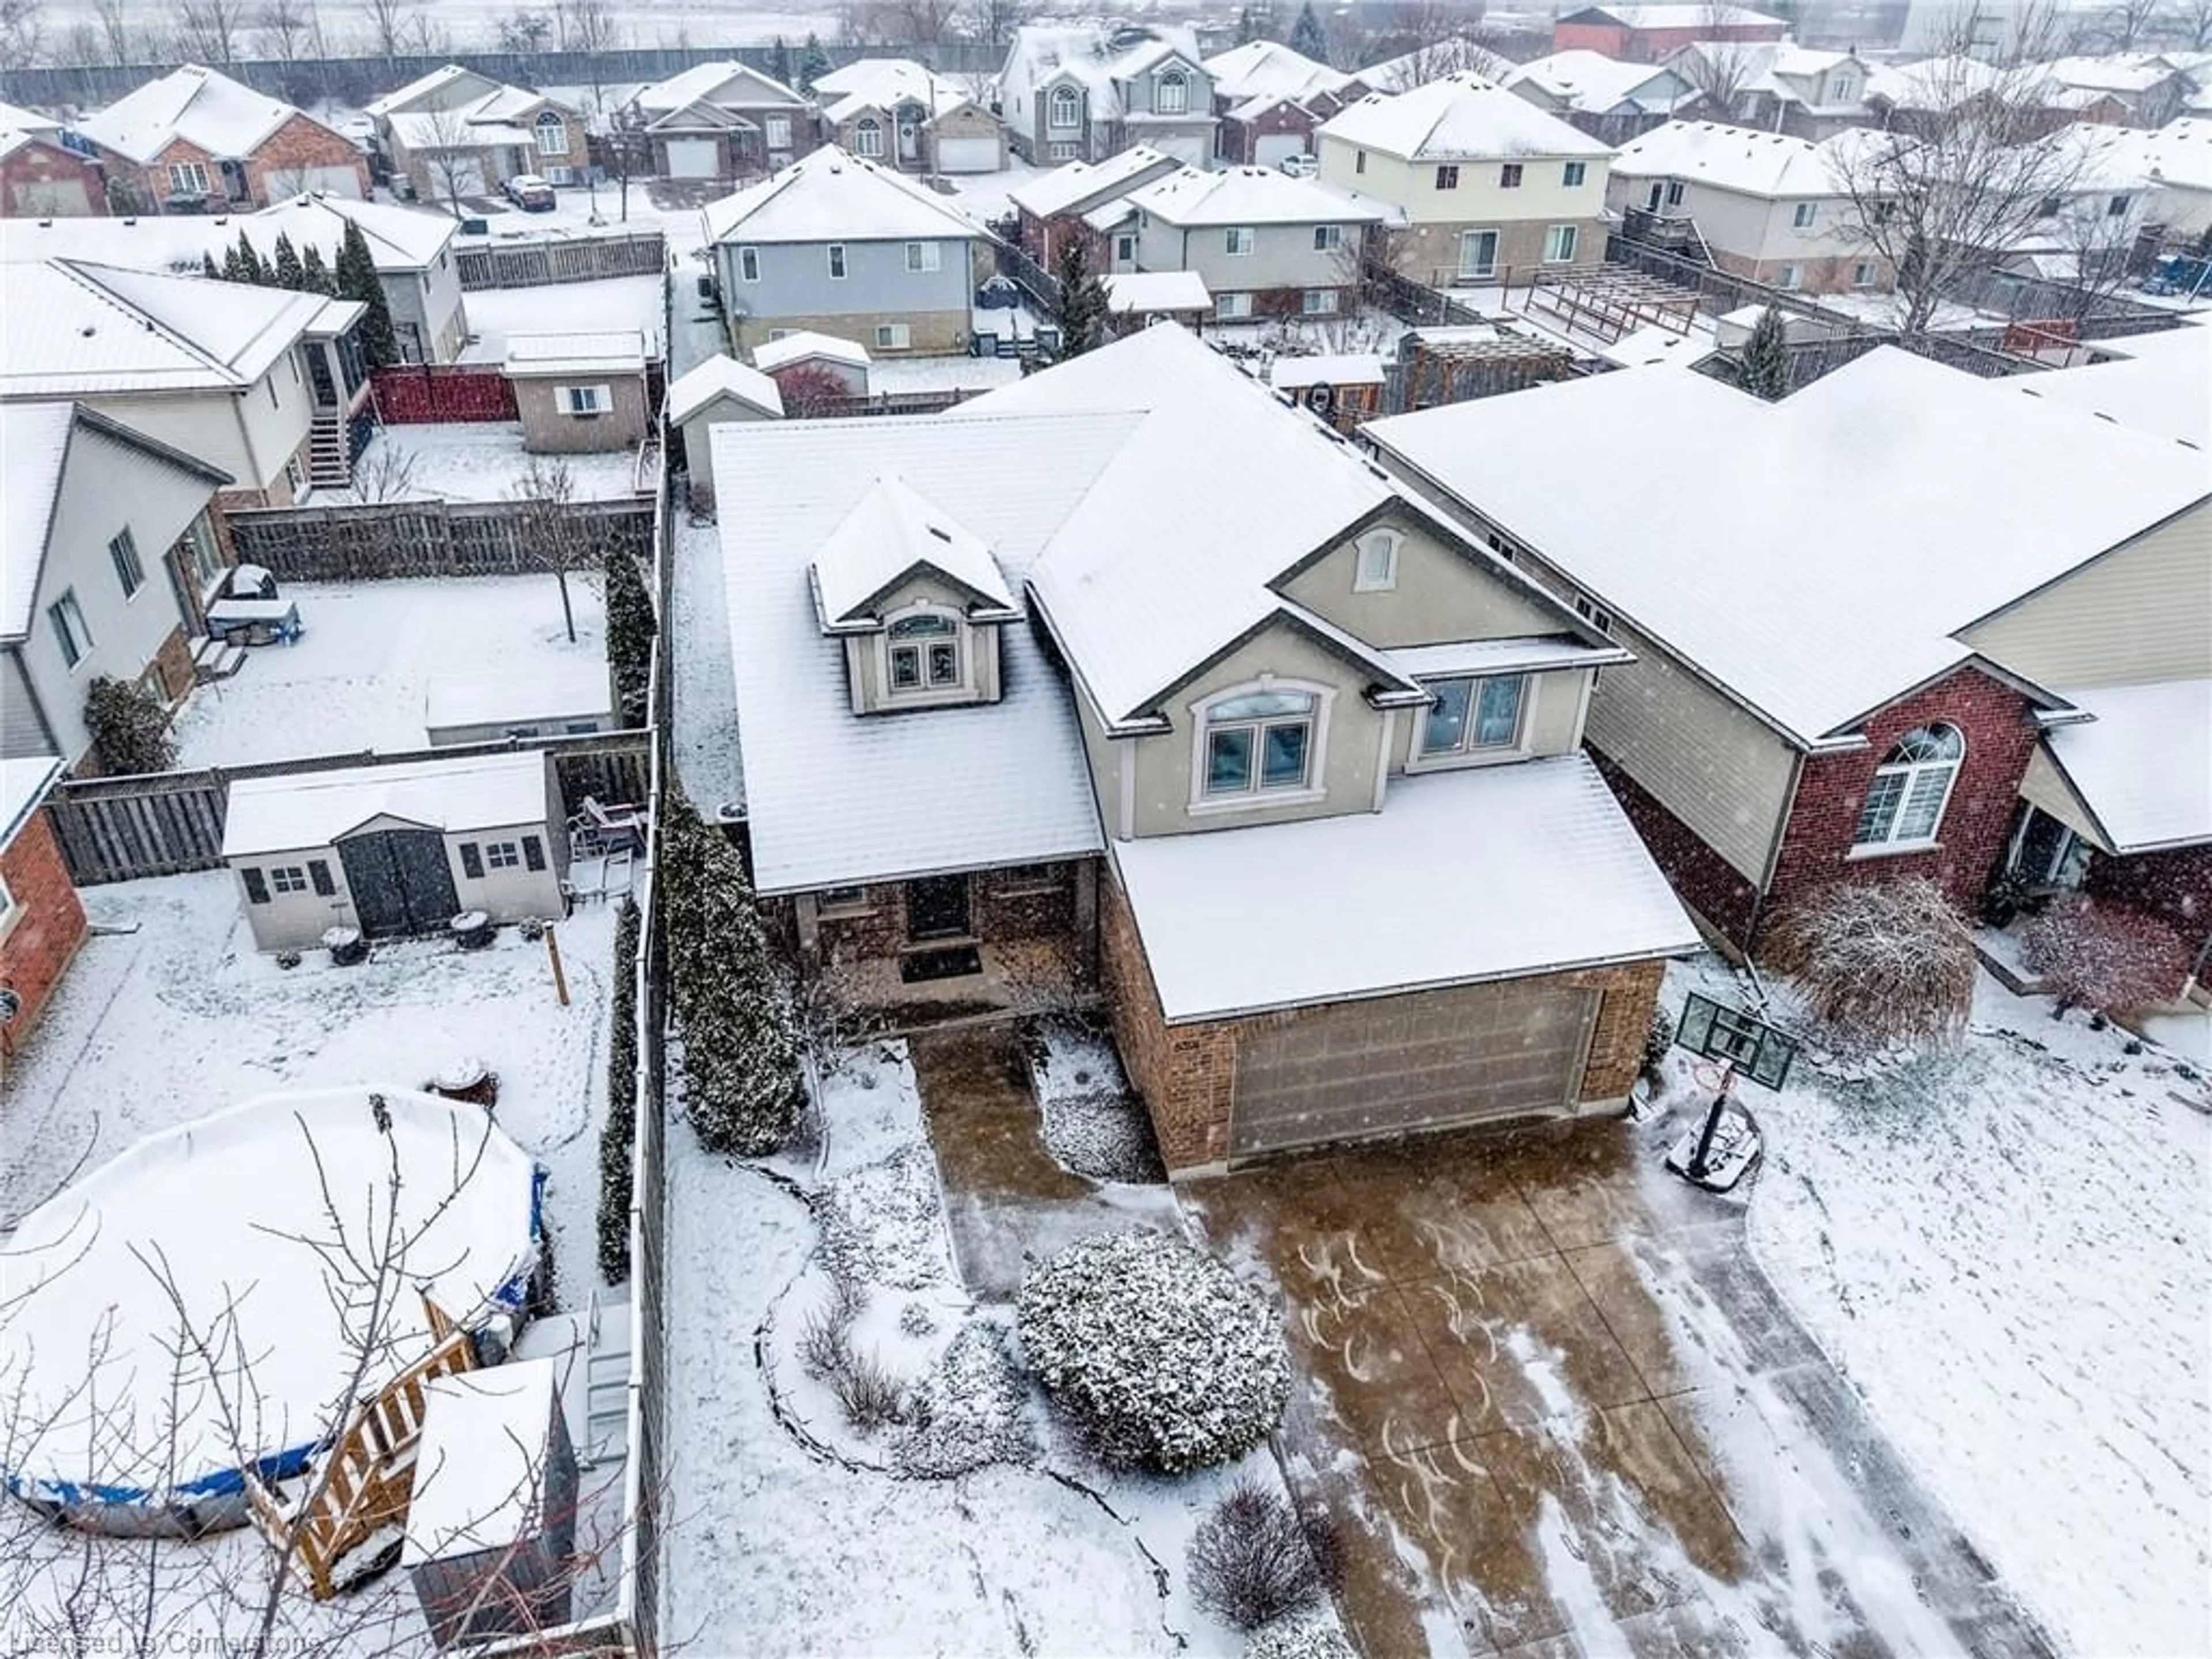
(1426, 1060)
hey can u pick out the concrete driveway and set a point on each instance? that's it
(1555, 1409)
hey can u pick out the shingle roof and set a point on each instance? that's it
(1824, 573)
(772, 355)
(1080, 183)
(1457, 118)
(830, 196)
(199, 105)
(602, 351)
(1272, 71)
(400, 239)
(1590, 81)
(1248, 195)
(303, 811)
(719, 377)
(1772, 165)
(881, 82)
(1156, 290)
(34, 445)
(24, 780)
(743, 87)
(893, 530)
(2166, 390)
(2143, 766)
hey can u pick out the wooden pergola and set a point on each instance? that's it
(1610, 301)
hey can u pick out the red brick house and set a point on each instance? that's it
(1061, 204)
(197, 142)
(41, 176)
(1269, 99)
(1647, 33)
(1860, 651)
(41, 919)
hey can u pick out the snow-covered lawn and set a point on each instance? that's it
(986, 195)
(708, 760)
(952, 374)
(790, 1532)
(358, 678)
(562, 308)
(2010, 1255)
(477, 461)
(167, 1014)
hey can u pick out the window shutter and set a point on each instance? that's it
(257, 887)
(472, 861)
(534, 852)
(319, 873)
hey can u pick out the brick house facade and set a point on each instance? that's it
(2174, 886)
(42, 180)
(41, 926)
(300, 154)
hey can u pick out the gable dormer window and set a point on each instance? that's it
(925, 653)
(1375, 569)
(1258, 743)
(1173, 95)
(1065, 107)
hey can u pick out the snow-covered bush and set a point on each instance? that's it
(2102, 957)
(1882, 961)
(741, 1080)
(1658, 1038)
(1251, 1560)
(129, 728)
(630, 628)
(1160, 1353)
(971, 1411)
(618, 1135)
(1298, 1637)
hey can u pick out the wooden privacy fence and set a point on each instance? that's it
(408, 394)
(571, 259)
(422, 539)
(167, 823)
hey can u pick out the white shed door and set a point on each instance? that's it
(1430, 1060)
(1272, 147)
(967, 155)
(693, 158)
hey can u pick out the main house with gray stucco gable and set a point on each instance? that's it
(843, 246)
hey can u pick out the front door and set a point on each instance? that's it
(401, 881)
(909, 137)
(1658, 194)
(937, 908)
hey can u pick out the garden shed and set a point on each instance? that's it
(395, 850)
(720, 389)
(492, 1524)
(568, 698)
(579, 392)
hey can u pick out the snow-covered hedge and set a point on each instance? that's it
(1298, 1636)
(1160, 1352)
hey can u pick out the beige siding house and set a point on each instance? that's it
(455, 134)
(575, 394)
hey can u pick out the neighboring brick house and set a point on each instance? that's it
(1779, 86)
(42, 176)
(724, 122)
(1060, 204)
(1269, 99)
(1828, 686)
(42, 918)
(1601, 96)
(197, 142)
(111, 553)
(1309, 810)
(1649, 34)
(581, 392)
(455, 133)
(893, 109)
(1082, 92)
(1265, 244)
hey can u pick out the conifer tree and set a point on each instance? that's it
(813, 63)
(358, 280)
(208, 268)
(315, 273)
(1765, 371)
(630, 628)
(779, 60)
(1307, 35)
(1084, 306)
(285, 268)
(250, 268)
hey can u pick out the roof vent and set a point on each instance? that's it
(88, 331)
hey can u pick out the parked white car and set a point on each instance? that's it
(1301, 166)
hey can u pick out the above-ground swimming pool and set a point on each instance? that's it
(190, 1310)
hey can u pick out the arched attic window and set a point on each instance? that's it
(1905, 803)
(1066, 108)
(552, 135)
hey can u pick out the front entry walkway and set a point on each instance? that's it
(1555, 1409)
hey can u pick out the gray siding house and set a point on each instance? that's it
(1083, 94)
(1264, 243)
(841, 246)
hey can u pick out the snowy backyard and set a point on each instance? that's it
(562, 308)
(475, 461)
(361, 676)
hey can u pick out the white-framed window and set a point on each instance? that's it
(123, 550)
(1238, 239)
(67, 619)
(1839, 89)
(2117, 207)
(1448, 178)
(1560, 243)
(1592, 613)
(288, 878)
(1674, 195)
(1509, 175)
(560, 173)
(1318, 302)
(836, 262)
(1374, 563)
(894, 336)
(585, 401)
(1478, 253)
(1789, 277)
(1232, 306)
(552, 135)
(924, 652)
(1573, 172)
(841, 901)
(1328, 237)
(1863, 274)
(188, 178)
(749, 264)
(922, 256)
(868, 136)
(777, 131)
(1802, 215)
(1125, 249)
(203, 558)
(1172, 95)
(1471, 715)
(1063, 152)
(1259, 741)
(1904, 804)
(503, 855)
(1064, 109)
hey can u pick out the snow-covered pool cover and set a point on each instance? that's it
(259, 1230)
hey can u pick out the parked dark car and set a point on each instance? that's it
(530, 192)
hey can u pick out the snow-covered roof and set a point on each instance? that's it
(1083, 183)
(730, 85)
(893, 532)
(69, 328)
(1566, 882)
(1042, 53)
(1785, 586)
(1139, 291)
(2178, 155)
(1772, 165)
(602, 351)
(1507, 656)
(1456, 55)
(1341, 369)
(15, 119)
(425, 86)
(834, 799)
(400, 239)
(2143, 766)
(480, 1468)
(200, 105)
(804, 346)
(1269, 70)
(1461, 117)
(2095, 159)
(570, 688)
(1248, 195)
(312, 809)
(828, 196)
(2167, 393)
(24, 780)
(2123, 72)
(883, 83)
(34, 446)
(722, 377)
(1584, 79)
(1656, 343)
(1678, 14)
